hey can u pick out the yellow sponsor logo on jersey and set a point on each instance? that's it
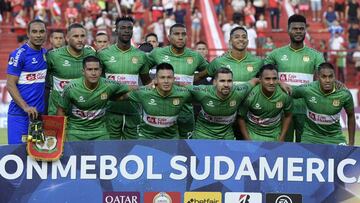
(306, 58)
(250, 68)
(336, 102)
(232, 103)
(104, 96)
(279, 104)
(134, 60)
(205, 197)
(176, 101)
(189, 60)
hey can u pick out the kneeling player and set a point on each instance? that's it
(266, 113)
(323, 103)
(85, 100)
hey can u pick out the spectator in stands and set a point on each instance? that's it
(261, 27)
(274, 7)
(169, 6)
(169, 21)
(158, 28)
(335, 44)
(101, 40)
(330, 16)
(352, 12)
(238, 5)
(353, 36)
(249, 13)
(29, 8)
(137, 33)
(335, 28)
(6, 10)
(252, 35)
(92, 9)
(126, 6)
(316, 9)
(303, 7)
(269, 45)
(180, 14)
(55, 11)
(219, 9)
(340, 9)
(20, 24)
(103, 23)
(259, 8)
(42, 15)
(16, 7)
(157, 10)
(138, 12)
(195, 26)
(57, 39)
(341, 63)
(356, 58)
(89, 26)
(152, 39)
(71, 13)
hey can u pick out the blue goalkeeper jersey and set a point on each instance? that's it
(30, 66)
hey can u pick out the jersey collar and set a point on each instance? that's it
(237, 60)
(82, 52)
(296, 50)
(223, 99)
(171, 51)
(268, 98)
(90, 90)
(326, 94)
(131, 47)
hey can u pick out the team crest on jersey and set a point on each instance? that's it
(279, 104)
(134, 60)
(250, 68)
(176, 101)
(112, 59)
(103, 96)
(284, 58)
(306, 58)
(336, 102)
(66, 63)
(232, 103)
(189, 60)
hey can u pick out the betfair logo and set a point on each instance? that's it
(202, 197)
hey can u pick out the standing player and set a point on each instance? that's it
(101, 40)
(323, 105)
(26, 74)
(265, 114)
(185, 62)
(124, 63)
(219, 105)
(161, 105)
(84, 102)
(57, 39)
(152, 39)
(65, 63)
(296, 64)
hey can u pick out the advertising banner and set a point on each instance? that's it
(191, 171)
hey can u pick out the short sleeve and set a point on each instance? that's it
(16, 62)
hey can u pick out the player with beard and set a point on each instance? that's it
(65, 63)
(296, 64)
(124, 63)
(185, 62)
(324, 103)
(265, 114)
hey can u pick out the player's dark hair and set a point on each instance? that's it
(146, 47)
(200, 42)
(123, 18)
(237, 28)
(296, 18)
(75, 25)
(223, 70)
(151, 34)
(35, 21)
(90, 59)
(164, 66)
(56, 31)
(101, 33)
(175, 26)
(326, 65)
(266, 67)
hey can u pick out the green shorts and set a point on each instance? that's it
(52, 104)
(186, 122)
(121, 126)
(296, 128)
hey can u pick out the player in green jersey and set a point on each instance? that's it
(84, 102)
(65, 63)
(242, 63)
(185, 62)
(323, 105)
(161, 105)
(219, 105)
(124, 63)
(297, 64)
(266, 112)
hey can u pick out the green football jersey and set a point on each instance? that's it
(159, 116)
(296, 67)
(124, 67)
(217, 115)
(243, 70)
(62, 68)
(263, 114)
(86, 108)
(322, 124)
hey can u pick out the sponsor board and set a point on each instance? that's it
(243, 197)
(283, 198)
(162, 197)
(202, 197)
